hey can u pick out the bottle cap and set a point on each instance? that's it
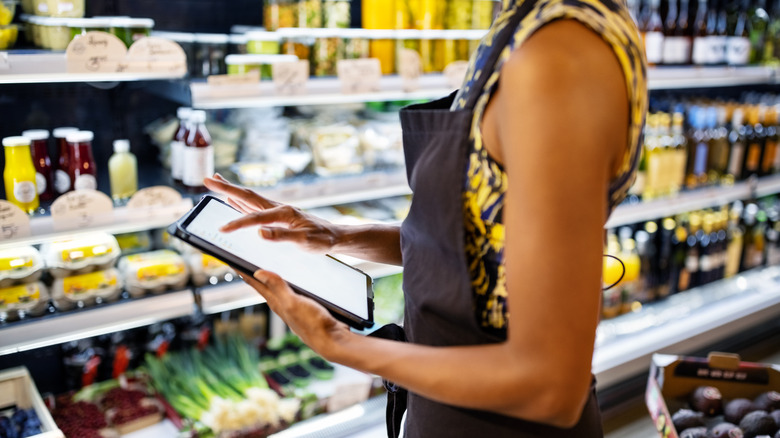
(63, 132)
(80, 137)
(36, 134)
(183, 113)
(16, 141)
(121, 146)
(198, 116)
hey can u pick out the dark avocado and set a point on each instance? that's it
(707, 400)
(757, 423)
(776, 416)
(694, 432)
(736, 409)
(725, 430)
(686, 419)
(768, 401)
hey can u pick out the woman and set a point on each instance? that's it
(554, 103)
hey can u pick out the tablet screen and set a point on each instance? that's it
(317, 274)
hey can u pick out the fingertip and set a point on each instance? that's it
(266, 233)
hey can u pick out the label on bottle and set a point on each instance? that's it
(700, 50)
(85, 182)
(25, 191)
(692, 263)
(40, 183)
(735, 161)
(716, 46)
(676, 50)
(654, 47)
(737, 50)
(61, 181)
(198, 164)
(705, 263)
(177, 157)
(700, 163)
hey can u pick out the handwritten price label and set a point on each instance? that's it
(95, 52)
(410, 69)
(359, 75)
(82, 208)
(455, 73)
(13, 222)
(250, 78)
(156, 55)
(290, 78)
(158, 196)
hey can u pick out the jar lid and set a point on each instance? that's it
(121, 145)
(89, 23)
(198, 116)
(36, 134)
(211, 38)
(147, 23)
(238, 39)
(258, 59)
(262, 36)
(16, 141)
(49, 21)
(63, 131)
(80, 137)
(183, 112)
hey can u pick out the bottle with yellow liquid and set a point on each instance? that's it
(123, 171)
(611, 303)
(631, 285)
(19, 174)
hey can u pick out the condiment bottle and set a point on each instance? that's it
(39, 147)
(62, 182)
(198, 154)
(122, 171)
(19, 174)
(178, 144)
(83, 172)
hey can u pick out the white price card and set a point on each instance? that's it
(455, 73)
(157, 202)
(290, 78)
(95, 52)
(410, 69)
(5, 64)
(156, 55)
(14, 223)
(82, 208)
(359, 75)
(249, 78)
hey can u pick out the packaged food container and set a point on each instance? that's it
(66, 8)
(262, 43)
(336, 150)
(7, 11)
(241, 64)
(81, 26)
(28, 7)
(54, 32)
(208, 270)
(133, 243)
(94, 252)
(84, 290)
(8, 36)
(356, 48)
(310, 13)
(300, 46)
(17, 302)
(336, 13)
(130, 30)
(210, 53)
(41, 7)
(259, 174)
(280, 13)
(237, 44)
(20, 265)
(153, 272)
(325, 54)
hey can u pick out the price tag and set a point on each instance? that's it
(359, 75)
(95, 52)
(156, 55)
(81, 208)
(157, 202)
(455, 73)
(290, 78)
(13, 222)
(249, 78)
(410, 69)
(5, 64)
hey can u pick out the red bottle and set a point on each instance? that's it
(62, 182)
(83, 172)
(198, 154)
(178, 144)
(39, 148)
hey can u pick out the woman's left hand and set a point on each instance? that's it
(316, 327)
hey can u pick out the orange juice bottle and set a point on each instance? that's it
(19, 174)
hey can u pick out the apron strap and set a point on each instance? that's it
(396, 396)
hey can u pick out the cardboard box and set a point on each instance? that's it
(673, 378)
(17, 389)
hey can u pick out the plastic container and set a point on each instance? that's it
(206, 269)
(20, 301)
(81, 26)
(93, 252)
(325, 54)
(133, 243)
(85, 290)
(298, 46)
(210, 53)
(259, 174)
(262, 43)
(241, 64)
(153, 272)
(7, 11)
(54, 33)
(20, 265)
(130, 30)
(65, 8)
(336, 13)
(19, 174)
(310, 13)
(8, 36)
(280, 13)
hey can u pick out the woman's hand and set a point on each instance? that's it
(278, 222)
(305, 317)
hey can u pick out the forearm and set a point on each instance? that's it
(376, 243)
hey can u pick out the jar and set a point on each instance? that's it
(310, 13)
(66, 8)
(210, 53)
(242, 64)
(62, 183)
(55, 32)
(44, 174)
(325, 54)
(28, 7)
(299, 46)
(375, 16)
(237, 44)
(80, 26)
(262, 43)
(336, 13)
(41, 8)
(280, 13)
(357, 48)
(130, 30)
(19, 174)
(83, 172)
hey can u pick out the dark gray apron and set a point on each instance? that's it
(439, 300)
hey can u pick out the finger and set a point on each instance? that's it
(240, 206)
(279, 215)
(282, 234)
(260, 287)
(221, 185)
(277, 288)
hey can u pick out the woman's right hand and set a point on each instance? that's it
(278, 222)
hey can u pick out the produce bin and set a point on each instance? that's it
(17, 389)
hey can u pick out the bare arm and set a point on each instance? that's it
(559, 121)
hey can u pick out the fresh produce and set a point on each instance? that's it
(694, 432)
(737, 409)
(768, 401)
(22, 423)
(776, 416)
(687, 419)
(725, 430)
(757, 423)
(79, 419)
(707, 400)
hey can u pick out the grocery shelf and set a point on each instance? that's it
(684, 323)
(670, 78)
(85, 323)
(228, 296)
(39, 68)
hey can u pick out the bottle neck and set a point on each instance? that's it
(17, 156)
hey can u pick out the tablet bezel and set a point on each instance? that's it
(179, 230)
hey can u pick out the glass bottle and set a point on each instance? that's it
(653, 158)
(44, 175)
(671, 41)
(716, 42)
(19, 174)
(83, 171)
(701, 48)
(683, 33)
(630, 257)
(699, 151)
(755, 137)
(122, 171)
(708, 250)
(664, 257)
(62, 182)
(737, 145)
(773, 239)
(680, 153)
(667, 146)
(177, 143)
(198, 154)
(719, 144)
(653, 33)
(770, 143)
(752, 250)
(759, 22)
(693, 250)
(679, 277)
(611, 302)
(738, 42)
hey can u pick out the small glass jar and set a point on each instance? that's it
(280, 13)
(66, 8)
(299, 46)
(262, 43)
(130, 30)
(80, 26)
(310, 13)
(210, 53)
(326, 53)
(237, 44)
(356, 48)
(336, 13)
(55, 33)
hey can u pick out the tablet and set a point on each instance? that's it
(345, 291)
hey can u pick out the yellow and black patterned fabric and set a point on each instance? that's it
(487, 182)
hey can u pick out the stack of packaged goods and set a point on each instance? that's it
(21, 291)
